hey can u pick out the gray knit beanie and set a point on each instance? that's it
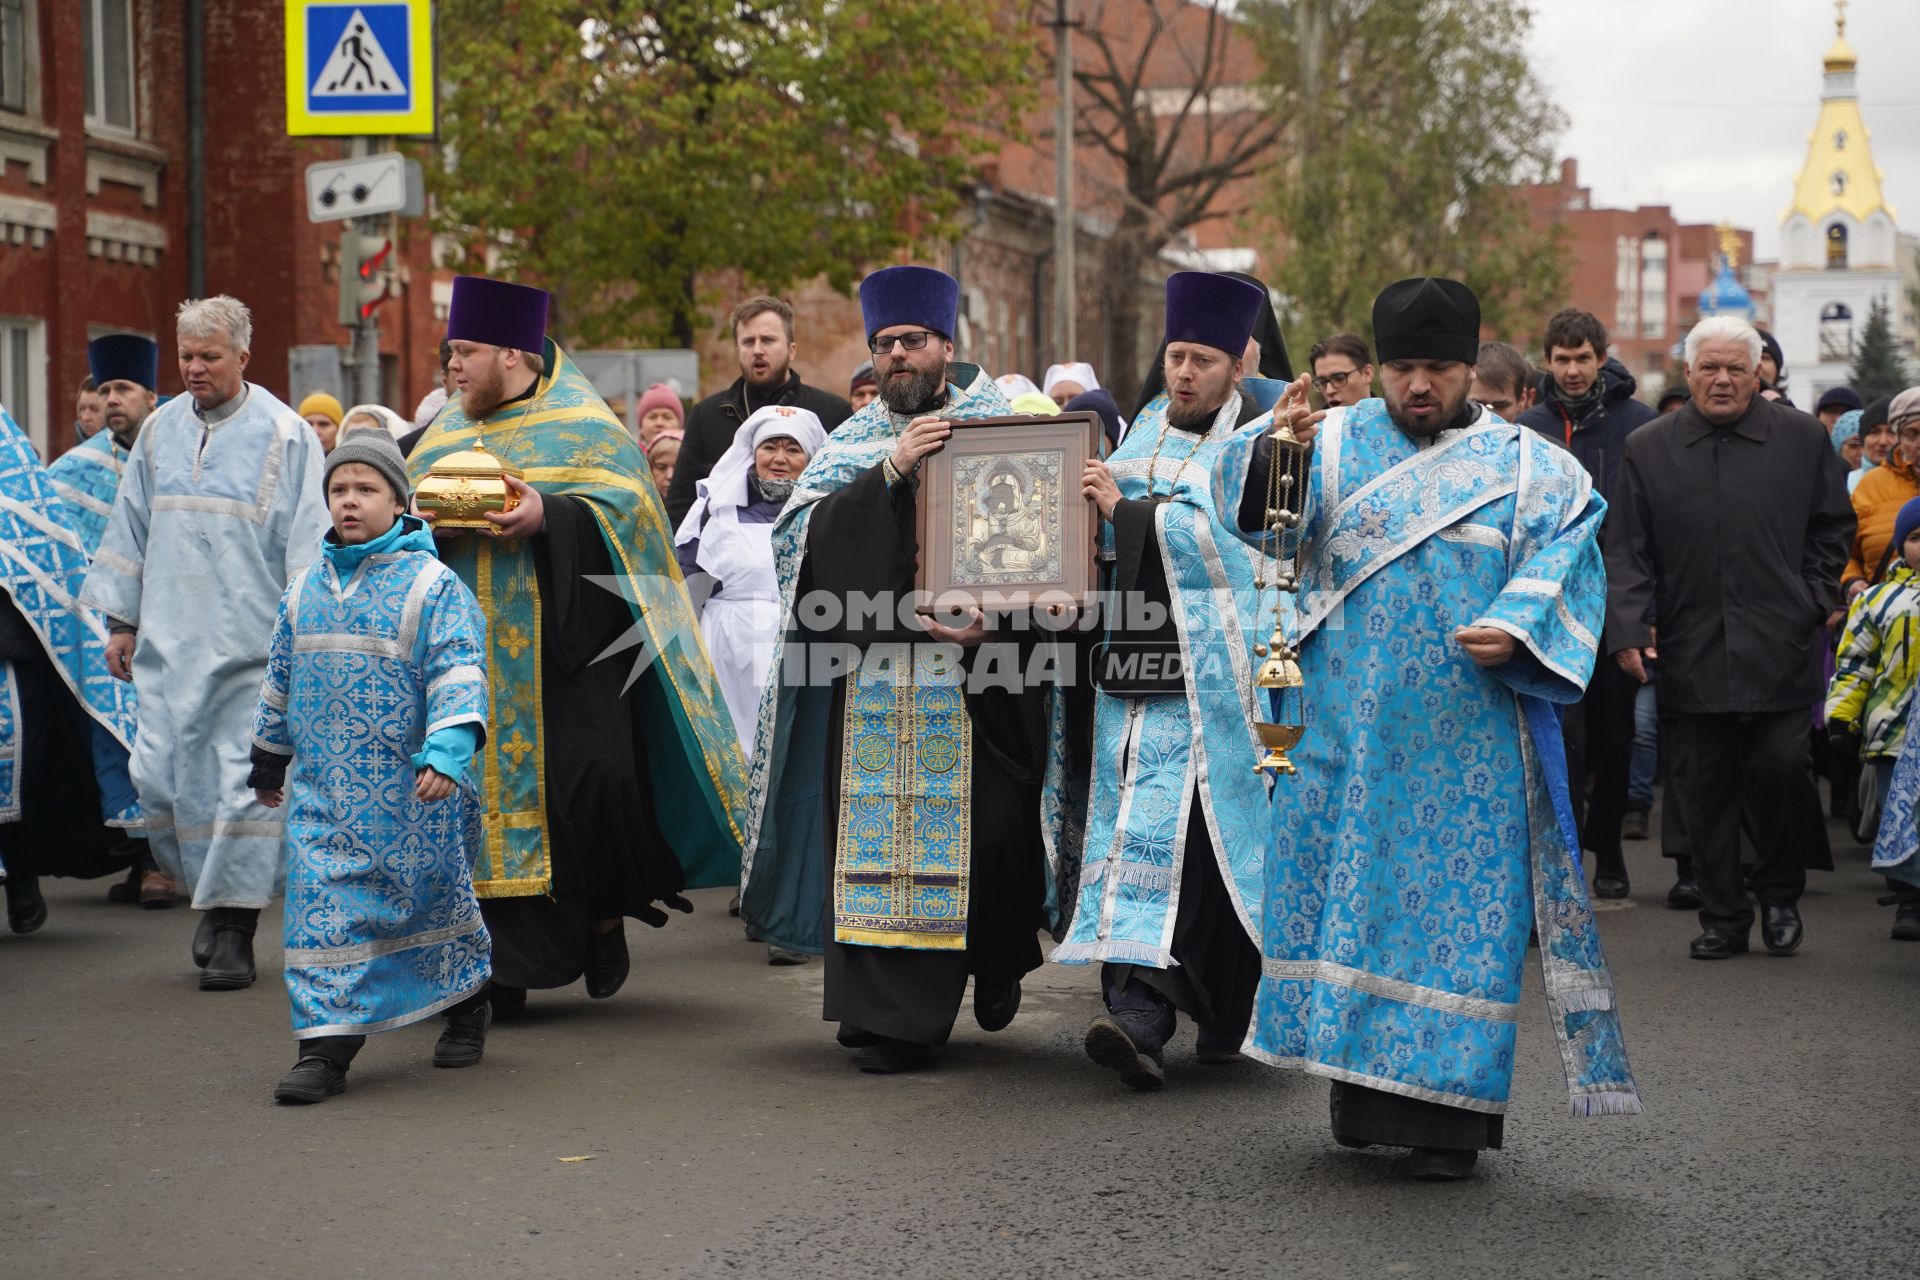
(377, 450)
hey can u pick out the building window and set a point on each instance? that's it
(22, 371)
(1836, 333)
(1840, 140)
(1653, 287)
(106, 34)
(1838, 182)
(1837, 247)
(13, 55)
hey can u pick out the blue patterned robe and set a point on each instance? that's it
(87, 478)
(783, 872)
(1898, 839)
(1430, 823)
(203, 540)
(42, 565)
(1152, 755)
(382, 926)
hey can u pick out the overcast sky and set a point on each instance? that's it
(1706, 104)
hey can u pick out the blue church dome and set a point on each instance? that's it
(1725, 295)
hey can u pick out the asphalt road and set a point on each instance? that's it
(729, 1136)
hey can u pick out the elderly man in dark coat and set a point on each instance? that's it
(1730, 527)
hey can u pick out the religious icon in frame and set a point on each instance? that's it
(1002, 524)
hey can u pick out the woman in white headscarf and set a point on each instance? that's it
(374, 417)
(1065, 381)
(728, 535)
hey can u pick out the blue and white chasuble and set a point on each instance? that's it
(1898, 838)
(1152, 755)
(87, 478)
(903, 847)
(42, 565)
(382, 925)
(215, 516)
(1430, 822)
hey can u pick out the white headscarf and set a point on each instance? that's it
(1015, 385)
(725, 487)
(1079, 371)
(430, 406)
(396, 425)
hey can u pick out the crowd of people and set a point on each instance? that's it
(1514, 598)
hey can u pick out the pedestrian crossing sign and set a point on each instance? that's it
(359, 67)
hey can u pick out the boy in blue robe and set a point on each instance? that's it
(376, 698)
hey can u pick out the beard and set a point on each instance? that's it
(1190, 417)
(773, 377)
(482, 397)
(1451, 414)
(913, 393)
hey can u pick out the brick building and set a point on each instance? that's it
(1640, 271)
(1004, 260)
(114, 115)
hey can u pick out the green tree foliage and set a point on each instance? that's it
(619, 151)
(1879, 366)
(1411, 122)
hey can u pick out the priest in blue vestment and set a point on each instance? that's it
(61, 812)
(1176, 822)
(126, 373)
(1452, 600)
(220, 504)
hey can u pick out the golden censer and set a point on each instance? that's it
(464, 485)
(1280, 671)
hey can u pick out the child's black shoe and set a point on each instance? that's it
(465, 1038)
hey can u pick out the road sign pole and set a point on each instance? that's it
(363, 352)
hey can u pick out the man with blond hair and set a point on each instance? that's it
(220, 504)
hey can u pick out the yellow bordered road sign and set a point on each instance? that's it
(359, 67)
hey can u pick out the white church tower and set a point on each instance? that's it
(1839, 245)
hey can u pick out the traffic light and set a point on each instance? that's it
(363, 275)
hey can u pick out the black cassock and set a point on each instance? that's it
(861, 540)
(608, 856)
(59, 831)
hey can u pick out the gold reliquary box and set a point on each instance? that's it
(463, 486)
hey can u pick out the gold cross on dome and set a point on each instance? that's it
(1840, 16)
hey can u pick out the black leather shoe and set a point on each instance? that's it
(464, 1039)
(127, 890)
(995, 1001)
(886, 1056)
(203, 940)
(1780, 929)
(311, 1080)
(1109, 1045)
(1906, 923)
(733, 907)
(230, 966)
(784, 958)
(607, 964)
(1634, 825)
(1441, 1164)
(26, 909)
(1684, 896)
(1608, 888)
(1719, 944)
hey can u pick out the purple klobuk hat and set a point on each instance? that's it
(1213, 310)
(497, 313)
(910, 295)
